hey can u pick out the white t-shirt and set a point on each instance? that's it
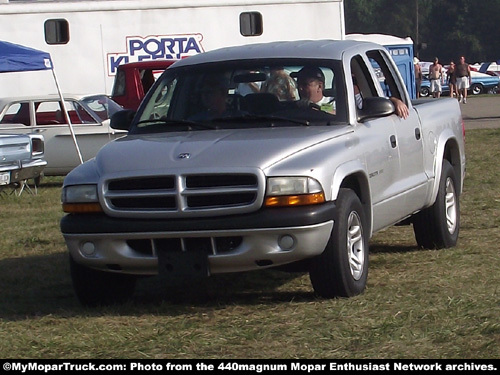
(326, 104)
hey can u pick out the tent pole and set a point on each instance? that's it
(66, 114)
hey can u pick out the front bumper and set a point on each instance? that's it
(267, 238)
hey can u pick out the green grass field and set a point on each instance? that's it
(418, 303)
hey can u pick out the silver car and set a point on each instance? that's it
(89, 116)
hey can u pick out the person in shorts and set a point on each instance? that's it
(436, 78)
(451, 77)
(462, 71)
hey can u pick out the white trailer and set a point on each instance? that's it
(89, 39)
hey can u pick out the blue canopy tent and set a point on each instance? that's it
(17, 58)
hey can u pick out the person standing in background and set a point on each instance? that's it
(451, 77)
(418, 75)
(436, 77)
(463, 79)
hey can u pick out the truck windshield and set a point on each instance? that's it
(244, 94)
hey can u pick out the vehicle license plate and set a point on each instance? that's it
(181, 266)
(4, 178)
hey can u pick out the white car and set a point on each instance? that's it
(44, 115)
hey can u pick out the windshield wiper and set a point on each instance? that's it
(190, 124)
(263, 118)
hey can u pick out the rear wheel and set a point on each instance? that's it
(437, 227)
(98, 288)
(476, 89)
(342, 269)
(424, 92)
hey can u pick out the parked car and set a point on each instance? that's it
(481, 84)
(90, 117)
(492, 69)
(21, 158)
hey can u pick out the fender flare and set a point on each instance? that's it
(447, 148)
(352, 174)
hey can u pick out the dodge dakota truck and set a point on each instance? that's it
(228, 166)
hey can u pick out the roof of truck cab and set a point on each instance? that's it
(315, 49)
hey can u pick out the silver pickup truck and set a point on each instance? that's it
(230, 165)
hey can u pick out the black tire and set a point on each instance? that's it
(97, 288)
(425, 92)
(438, 226)
(342, 269)
(476, 89)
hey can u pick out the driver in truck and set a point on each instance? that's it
(213, 95)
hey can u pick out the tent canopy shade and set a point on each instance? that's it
(17, 58)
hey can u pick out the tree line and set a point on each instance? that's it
(445, 29)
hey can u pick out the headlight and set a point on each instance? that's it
(80, 199)
(293, 191)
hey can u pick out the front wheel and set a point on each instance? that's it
(342, 269)
(98, 288)
(437, 227)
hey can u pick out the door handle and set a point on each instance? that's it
(418, 135)
(393, 141)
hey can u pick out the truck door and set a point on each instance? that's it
(381, 158)
(411, 185)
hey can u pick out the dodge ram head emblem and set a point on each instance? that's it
(184, 155)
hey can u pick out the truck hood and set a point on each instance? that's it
(258, 148)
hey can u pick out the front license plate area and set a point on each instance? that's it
(175, 266)
(4, 178)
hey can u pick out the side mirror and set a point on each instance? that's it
(122, 120)
(375, 107)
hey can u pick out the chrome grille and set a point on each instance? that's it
(182, 195)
